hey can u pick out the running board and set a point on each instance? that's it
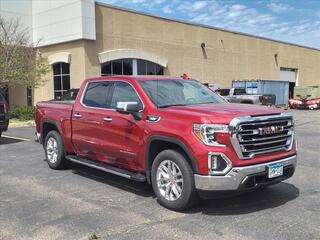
(108, 168)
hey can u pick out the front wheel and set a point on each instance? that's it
(173, 180)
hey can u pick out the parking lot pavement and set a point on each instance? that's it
(39, 203)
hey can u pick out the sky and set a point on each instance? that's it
(294, 21)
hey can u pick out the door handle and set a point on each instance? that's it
(107, 119)
(77, 115)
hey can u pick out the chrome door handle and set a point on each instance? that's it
(107, 119)
(77, 115)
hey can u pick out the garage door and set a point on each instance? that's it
(288, 74)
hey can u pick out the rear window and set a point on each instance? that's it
(239, 91)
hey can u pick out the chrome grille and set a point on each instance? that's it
(256, 135)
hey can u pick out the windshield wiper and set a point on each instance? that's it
(170, 105)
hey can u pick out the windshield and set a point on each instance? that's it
(165, 93)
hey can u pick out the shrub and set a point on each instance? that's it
(22, 113)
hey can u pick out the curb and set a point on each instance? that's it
(21, 124)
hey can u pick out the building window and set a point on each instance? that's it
(61, 79)
(130, 67)
(149, 68)
(117, 67)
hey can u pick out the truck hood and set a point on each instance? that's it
(220, 112)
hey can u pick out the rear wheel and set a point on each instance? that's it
(54, 150)
(173, 180)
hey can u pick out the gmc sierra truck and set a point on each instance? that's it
(173, 133)
(4, 114)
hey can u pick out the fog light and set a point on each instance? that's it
(218, 164)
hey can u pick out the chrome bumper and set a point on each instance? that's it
(236, 176)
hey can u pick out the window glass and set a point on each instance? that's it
(65, 68)
(239, 91)
(159, 70)
(97, 95)
(106, 69)
(66, 82)
(124, 92)
(142, 68)
(117, 67)
(57, 82)
(61, 79)
(56, 69)
(127, 66)
(151, 68)
(165, 93)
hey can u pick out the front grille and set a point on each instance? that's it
(262, 135)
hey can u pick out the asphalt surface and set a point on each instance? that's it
(39, 203)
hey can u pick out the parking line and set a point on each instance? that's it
(17, 138)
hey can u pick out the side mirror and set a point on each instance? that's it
(129, 108)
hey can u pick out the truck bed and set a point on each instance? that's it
(59, 112)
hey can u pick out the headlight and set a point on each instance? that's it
(207, 133)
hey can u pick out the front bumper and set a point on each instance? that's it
(242, 178)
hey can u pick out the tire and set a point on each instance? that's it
(54, 151)
(0, 134)
(185, 193)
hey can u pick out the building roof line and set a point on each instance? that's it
(201, 25)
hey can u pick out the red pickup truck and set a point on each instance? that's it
(4, 114)
(173, 133)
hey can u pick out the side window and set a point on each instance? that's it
(98, 94)
(124, 92)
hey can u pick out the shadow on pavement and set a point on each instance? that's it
(270, 197)
(142, 189)
(8, 140)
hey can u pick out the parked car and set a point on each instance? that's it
(239, 95)
(304, 103)
(4, 114)
(173, 133)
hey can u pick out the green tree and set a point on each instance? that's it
(21, 63)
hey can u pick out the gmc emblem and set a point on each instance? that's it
(270, 130)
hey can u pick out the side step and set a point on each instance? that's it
(108, 168)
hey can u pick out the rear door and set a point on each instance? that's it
(89, 119)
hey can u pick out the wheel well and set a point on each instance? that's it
(157, 146)
(47, 127)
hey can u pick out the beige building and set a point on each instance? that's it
(134, 43)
